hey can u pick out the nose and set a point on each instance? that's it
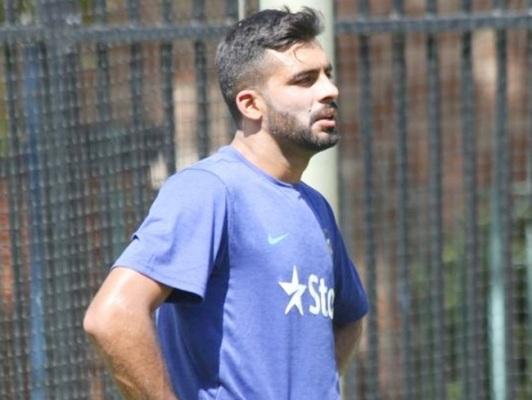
(328, 90)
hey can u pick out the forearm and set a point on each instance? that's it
(346, 339)
(118, 321)
(134, 359)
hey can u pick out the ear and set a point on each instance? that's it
(250, 104)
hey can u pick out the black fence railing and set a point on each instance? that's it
(439, 224)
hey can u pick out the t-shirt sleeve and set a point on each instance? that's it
(351, 302)
(181, 238)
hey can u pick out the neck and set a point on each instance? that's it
(263, 151)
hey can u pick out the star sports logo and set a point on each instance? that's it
(322, 295)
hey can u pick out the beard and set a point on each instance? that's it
(286, 128)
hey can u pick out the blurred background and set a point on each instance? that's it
(100, 100)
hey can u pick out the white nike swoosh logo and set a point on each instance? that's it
(276, 239)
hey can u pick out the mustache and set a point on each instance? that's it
(327, 112)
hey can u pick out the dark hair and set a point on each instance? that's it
(239, 54)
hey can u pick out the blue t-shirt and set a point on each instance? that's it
(260, 276)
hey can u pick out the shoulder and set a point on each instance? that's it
(204, 175)
(190, 187)
(222, 166)
(225, 166)
(191, 182)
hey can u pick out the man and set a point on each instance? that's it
(255, 295)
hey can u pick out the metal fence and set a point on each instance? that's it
(440, 100)
(101, 99)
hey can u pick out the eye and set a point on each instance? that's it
(305, 80)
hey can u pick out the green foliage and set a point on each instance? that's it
(3, 123)
(86, 8)
(3, 135)
(455, 265)
(454, 391)
(522, 220)
(455, 268)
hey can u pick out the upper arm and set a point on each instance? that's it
(180, 241)
(124, 291)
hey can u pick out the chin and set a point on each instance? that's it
(324, 144)
(326, 136)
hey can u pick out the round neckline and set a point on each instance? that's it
(232, 150)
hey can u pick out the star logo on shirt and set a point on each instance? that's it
(295, 290)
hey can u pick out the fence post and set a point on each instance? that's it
(322, 171)
(61, 115)
(528, 234)
(33, 112)
(366, 130)
(473, 328)
(500, 225)
(199, 15)
(528, 261)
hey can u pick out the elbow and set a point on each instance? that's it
(106, 318)
(99, 322)
(92, 323)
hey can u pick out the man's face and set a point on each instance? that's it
(301, 98)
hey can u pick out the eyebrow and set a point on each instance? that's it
(328, 70)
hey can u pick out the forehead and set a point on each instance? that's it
(299, 57)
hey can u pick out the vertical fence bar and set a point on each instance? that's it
(366, 129)
(32, 113)
(400, 122)
(232, 12)
(111, 166)
(48, 266)
(242, 8)
(137, 118)
(529, 125)
(529, 119)
(45, 103)
(528, 238)
(202, 93)
(80, 200)
(7, 372)
(103, 81)
(112, 153)
(53, 14)
(14, 177)
(104, 159)
(500, 257)
(231, 9)
(472, 357)
(528, 340)
(110, 170)
(438, 346)
(501, 266)
(167, 72)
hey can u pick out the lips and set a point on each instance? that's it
(327, 115)
(327, 124)
(326, 118)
